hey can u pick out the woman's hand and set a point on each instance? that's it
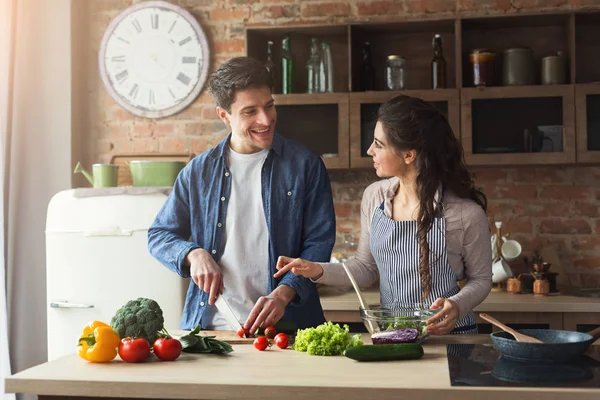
(444, 321)
(298, 266)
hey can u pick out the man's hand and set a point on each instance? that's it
(205, 273)
(269, 309)
(298, 266)
(444, 321)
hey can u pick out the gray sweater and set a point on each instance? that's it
(467, 239)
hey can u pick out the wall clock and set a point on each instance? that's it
(154, 59)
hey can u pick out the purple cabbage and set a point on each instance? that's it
(406, 335)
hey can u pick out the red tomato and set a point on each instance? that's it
(281, 340)
(242, 332)
(270, 332)
(134, 350)
(261, 343)
(167, 349)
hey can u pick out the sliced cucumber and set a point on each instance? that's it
(385, 352)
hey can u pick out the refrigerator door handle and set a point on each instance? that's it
(66, 304)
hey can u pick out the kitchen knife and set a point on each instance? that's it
(224, 309)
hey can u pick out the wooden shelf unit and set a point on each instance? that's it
(573, 33)
(447, 99)
(559, 108)
(587, 106)
(296, 119)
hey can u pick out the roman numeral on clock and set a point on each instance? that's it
(134, 90)
(136, 25)
(188, 60)
(118, 58)
(184, 41)
(154, 21)
(151, 97)
(122, 76)
(183, 78)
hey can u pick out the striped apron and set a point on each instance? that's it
(395, 248)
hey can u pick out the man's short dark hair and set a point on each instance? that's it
(238, 73)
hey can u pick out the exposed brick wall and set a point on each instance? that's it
(540, 206)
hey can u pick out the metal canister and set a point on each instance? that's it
(554, 69)
(518, 68)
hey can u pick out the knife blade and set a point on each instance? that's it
(224, 309)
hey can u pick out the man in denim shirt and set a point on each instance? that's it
(237, 207)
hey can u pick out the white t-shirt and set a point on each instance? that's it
(244, 262)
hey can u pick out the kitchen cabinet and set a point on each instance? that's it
(497, 124)
(587, 104)
(318, 121)
(363, 117)
(518, 125)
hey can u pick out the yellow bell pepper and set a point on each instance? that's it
(98, 342)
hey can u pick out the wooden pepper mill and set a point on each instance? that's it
(513, 285)
(541, 287)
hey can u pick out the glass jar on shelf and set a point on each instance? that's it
(395, 73)
(482, 61)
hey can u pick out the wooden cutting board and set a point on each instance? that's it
(230, 337)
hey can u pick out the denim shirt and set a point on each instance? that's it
(298, 206)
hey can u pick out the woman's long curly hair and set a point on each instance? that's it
(411, 123)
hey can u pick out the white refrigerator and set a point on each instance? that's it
(97, 259)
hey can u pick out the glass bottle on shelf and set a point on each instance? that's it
(367, 73)
(326, 69)
(287, 66)
(270, 65)
(312, 68)
(395, 74)
(438, 65)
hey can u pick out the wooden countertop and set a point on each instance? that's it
(333, 299)
(274, 374)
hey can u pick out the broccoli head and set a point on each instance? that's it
(139, 318)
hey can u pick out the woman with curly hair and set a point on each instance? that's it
(423, 228)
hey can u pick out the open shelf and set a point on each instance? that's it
(319, 121)
(587, 104)
(336, 35)
(544, 34)
(490, 121)
(411, 40)
(587, 44)
(518, 125)
(363, 117)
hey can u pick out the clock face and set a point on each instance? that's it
(154, 59)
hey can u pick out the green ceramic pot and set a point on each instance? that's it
(155, 173)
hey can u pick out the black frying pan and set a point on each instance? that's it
(557, 346)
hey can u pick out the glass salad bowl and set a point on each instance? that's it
(397, 323)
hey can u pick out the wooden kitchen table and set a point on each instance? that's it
(270, 375)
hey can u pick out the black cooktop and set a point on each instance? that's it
(481, 365)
